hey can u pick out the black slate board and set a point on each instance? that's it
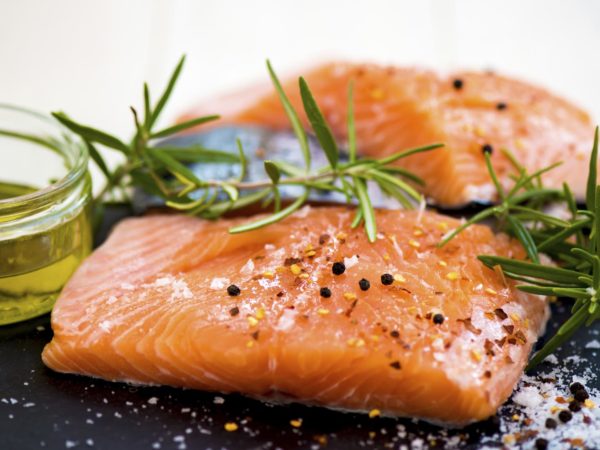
(43, 409)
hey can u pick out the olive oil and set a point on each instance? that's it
(35, 267)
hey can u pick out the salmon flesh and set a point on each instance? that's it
(305, 310)
(469, 112)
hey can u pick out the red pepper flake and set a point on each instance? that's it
(500, 314)
(510, 329)
(396, 365)
(350, 310)
(323, 238)
(255, 335)
(234, 311)
(487, 374)
(289, 261)
(521, 337)
(395, 334)
(469, 326)
(489, 347)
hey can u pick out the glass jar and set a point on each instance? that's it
(45, 211)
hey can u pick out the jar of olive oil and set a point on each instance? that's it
(45, 208)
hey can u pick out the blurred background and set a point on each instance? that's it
(90, 58)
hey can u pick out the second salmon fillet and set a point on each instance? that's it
(470, 112)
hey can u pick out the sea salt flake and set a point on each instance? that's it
(219, 283)
(593, 344)
(218, 400)
(287, 320)
(164, 281)
(528, 397)
(351, 262)
(153, 400)
(105, 325)
(248, 267)
(181, 290)
(303, 212)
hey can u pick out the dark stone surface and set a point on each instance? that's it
(43, 409)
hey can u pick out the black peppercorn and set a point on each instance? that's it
(457, 84)
(364, 284)
(500, 106)
(325, 292)
(551, 423)
(577, 386)
(387, 279)
(581, 395)
(541, 444)
(574, 406)
(338, 268)
(565, 416)
(438, 319)
(233, 290)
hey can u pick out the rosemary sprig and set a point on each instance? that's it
(163, 171)
(574, 244)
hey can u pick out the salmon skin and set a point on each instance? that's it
(471, 112)
(306, 310)
(260, 144)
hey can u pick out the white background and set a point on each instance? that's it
(90, 58)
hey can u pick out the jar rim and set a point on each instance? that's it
(72, 149)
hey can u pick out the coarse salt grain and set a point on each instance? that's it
(593, 344)
(219, 283)
(351, 262)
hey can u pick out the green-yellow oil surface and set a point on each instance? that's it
(34, 268)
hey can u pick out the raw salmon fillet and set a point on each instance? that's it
(444, 340)
(398, 108)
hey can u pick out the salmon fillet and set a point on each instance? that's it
(436, 335)
(398, 108)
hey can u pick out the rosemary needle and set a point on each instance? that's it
(573, 244)
(147, 165)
